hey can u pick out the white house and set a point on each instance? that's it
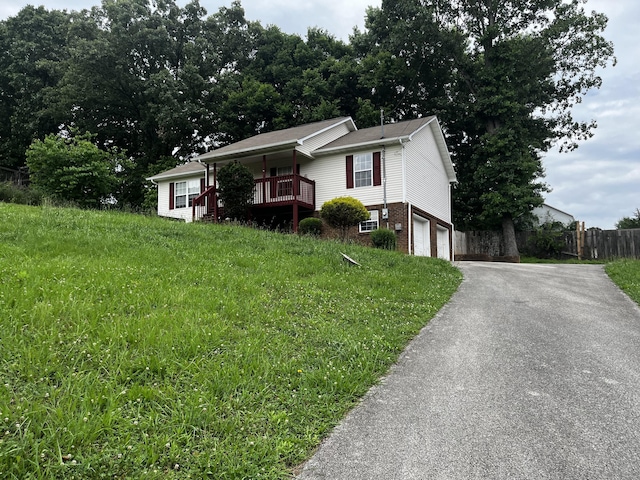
(401, 172)
(548, 214)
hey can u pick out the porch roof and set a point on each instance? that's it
(274, 141)
(185, 170)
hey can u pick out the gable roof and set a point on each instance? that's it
(186, 170)
(393, 133)
(276, 140)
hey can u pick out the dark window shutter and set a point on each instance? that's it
(377, 177)
(202, 186)
(349, 171)
(172, 197)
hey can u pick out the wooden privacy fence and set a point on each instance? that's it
(586, 244)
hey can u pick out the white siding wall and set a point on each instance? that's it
(427, 182)
(163, 200)
(329, 173)
(324, 138)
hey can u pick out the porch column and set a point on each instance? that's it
(207, 175)
(296, 187)
(264, 179)
(215, 193)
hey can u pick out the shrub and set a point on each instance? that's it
(344, 212)
(74, 169)
(12, 193)
(235, 186)
(548, 241)
(384, 238)
(310, 226)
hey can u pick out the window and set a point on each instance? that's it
(285, 187)
(371, 224)
(363, 170)
(186, 192)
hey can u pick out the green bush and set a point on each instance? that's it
(344, 212)
(310, 226)
(235, 187)
(548, 241)
(384, 238)
(12, 193)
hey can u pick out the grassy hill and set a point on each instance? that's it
(136, 347)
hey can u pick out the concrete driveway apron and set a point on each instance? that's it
(529, 372)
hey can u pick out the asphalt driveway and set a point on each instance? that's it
(530, 372)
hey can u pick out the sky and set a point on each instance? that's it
(599, 183)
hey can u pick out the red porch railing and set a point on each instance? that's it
(204, 205)
(284, 190)
(268, 192)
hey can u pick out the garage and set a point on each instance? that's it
(421, 237)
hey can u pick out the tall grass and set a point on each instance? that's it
(135, 347)
(626, 274)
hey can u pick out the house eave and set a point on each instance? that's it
(155, 178)
(357, 146)
(212, 157)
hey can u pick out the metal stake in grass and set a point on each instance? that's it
(349, 260)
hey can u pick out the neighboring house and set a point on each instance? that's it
(548, 214)
(402, 173)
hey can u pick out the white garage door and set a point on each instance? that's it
(421, 237)
(443, 243)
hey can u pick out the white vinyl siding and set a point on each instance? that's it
(163, 198)
(427, 181)
(329, 173)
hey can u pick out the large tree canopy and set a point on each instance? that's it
(503, 75)
(164, 82)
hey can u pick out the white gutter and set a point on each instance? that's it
(353, 146)
(214, 155)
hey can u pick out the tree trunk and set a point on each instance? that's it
(509, 236)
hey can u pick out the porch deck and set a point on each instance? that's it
(283, 190)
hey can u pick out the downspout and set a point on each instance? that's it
(385, 209)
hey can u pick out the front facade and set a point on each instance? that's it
(401, 172)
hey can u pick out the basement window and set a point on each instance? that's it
(371, 224)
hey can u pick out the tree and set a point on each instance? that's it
(343, 213)
(503, 76)
(629, 222)
(235, 187)
(32, 46)
(164, 85)
(74, 169)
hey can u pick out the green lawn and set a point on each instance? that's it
(136, 347)
(626, 274)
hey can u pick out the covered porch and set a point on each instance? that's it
(280, 187)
